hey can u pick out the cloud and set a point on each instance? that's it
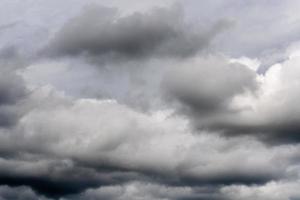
(78, 136)
(77, 146)
(49, 177)
(283, 190)
(174, 112)
(207, 86)
(19, 193)
(12, 87)
(99, 31)
(230, 98)
(272, 114)
(140, 190)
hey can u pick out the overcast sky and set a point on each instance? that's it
(149, 100)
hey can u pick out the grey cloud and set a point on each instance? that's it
(12, 87)
(206, 86)
(233, 100)
(281, 190)
(53, 177)
(147, 191)
(100, 31)
(273, 116)
(78, 132)
(19, 193)
(286, 190)
(129, 191)
(272, 132)
(8, 115)
(134, 147)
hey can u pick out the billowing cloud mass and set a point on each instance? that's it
(231, 99)
(171, 100)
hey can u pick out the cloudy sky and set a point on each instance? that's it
(149, 100)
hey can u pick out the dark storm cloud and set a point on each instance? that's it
(100, 31)
(47, 187)
(55, 178)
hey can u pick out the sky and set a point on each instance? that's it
(149, 100)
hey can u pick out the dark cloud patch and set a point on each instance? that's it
(122, 174)
(100, 31)
(273, 132)
(58, 180)
(12, 87)
(47, 187)
(212, 180)
(182, 178)
(229, 179)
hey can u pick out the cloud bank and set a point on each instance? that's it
(102, 101)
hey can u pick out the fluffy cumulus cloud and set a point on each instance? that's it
(242, 102)
(164, 100)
